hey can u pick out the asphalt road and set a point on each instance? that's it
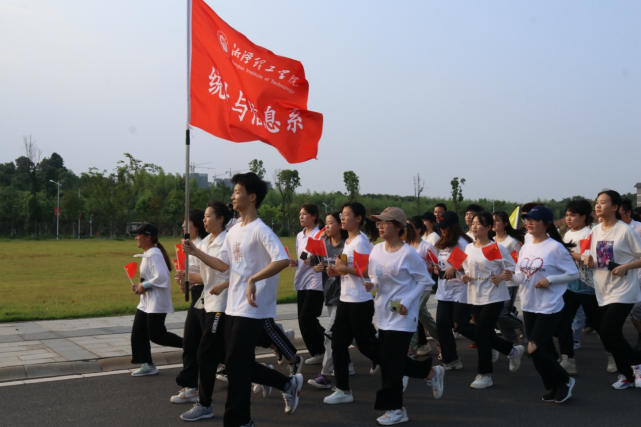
(514, 400)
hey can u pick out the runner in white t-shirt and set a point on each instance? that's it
(431, 234)
(543, 270)
(626, 216)
(470, 212)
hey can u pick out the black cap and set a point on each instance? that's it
(145, 228)
(447, 219)
(429, 216)
(539, 213)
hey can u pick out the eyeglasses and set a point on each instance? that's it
(382, 224)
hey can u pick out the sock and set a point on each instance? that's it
(512, 352)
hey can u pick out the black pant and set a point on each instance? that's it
(392, 356)
(210, 353)
(422, 336)
(572, 301)
(146, 327)
(613, 316)
(194, 324)
(272, 334)
(540, 328)
(484, 335)
(310, 308)
(449, 314)
(242, 369)
(353, 322)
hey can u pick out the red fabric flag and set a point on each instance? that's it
(317, 235)
(515, 256)
(243, 92)
(360, 263)
(492, 252)
(181, 257)
(316, 247)
(432, 257)
(585, 244)
(131, 269)
(287, 251)
(456, 258)
(176, 264)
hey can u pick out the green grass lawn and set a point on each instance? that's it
(82, 278)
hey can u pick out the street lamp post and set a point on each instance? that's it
(79, 215)
(91, 225)
(58, 213)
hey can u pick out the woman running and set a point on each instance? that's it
(431, 233)
(614, 255)
(543, 270)
(155, 301)
(487, 293)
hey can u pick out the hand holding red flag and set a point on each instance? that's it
(360, 263)
(492, 252)
(431, 257)
(456, 258)
(515, 256)
(316, 247)
(585, 244)
(131, 269)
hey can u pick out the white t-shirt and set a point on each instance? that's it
(306, 278)
(352, 288)
(247, 250)
(527, 238)
(587, 275)
(622, 245)
(211, 277)
(422, 249)
(399, 276)
(471, 236)
(511, 244)
(636, 226)
(547, 259)
(480, 289)
(453, 289)
(431, 238)
(153, 269)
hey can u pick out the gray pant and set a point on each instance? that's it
(328, 360)
(425, 318)
(508, 323)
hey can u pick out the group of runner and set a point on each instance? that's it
(589, 278)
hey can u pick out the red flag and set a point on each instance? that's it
(515, 256)
(243, 92)
(317, 236)
(180, 262)
(131, 269)
(316, 247)
(492, 252)
(585, 244)
(360, 262)
(432, 257)
(456, 258)
(176, 264)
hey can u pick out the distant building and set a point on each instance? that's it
(228, 183)
(638, 186)
(202, 179)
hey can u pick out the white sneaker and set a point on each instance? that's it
(612, 366)
(453, 366)
(292, 397)
(637, 375)
(622, 383)
(374, 368)
(145, 369)
(577, 345)
(396, 416)
(351, 370)
(482, 381)
(424, 350)
(257, 388)
(515, 361)
(568, 364)
(315, 360)
(406, 381)
(186, 395)
(339, 396)
(495, 356)
(437, 381)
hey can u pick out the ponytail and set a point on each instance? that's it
(408, 233)
(418, 229)
(312, 209)
(367, 225)
(154, 240)
(554, 234)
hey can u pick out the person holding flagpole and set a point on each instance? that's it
(543, 270)
(487, 292)
(155, 301)
(308, 285)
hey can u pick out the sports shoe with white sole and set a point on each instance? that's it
(437, 381)
(515, 361)
(577, 345)
(221, 375)
(145, 369)
(424, 350)
(339, 396)
(495, 356)
(292, 396)
(198, 412)
(395, 416)
(612, 366)
(454, 365)
(350, 368)
(622, 383)
(406, 381)
(320, 382)
(186, 395)
(564, 391)
(297, 366)
(482, 381)
(257, 388)
(549, 396)
(374, 368)
(315, 360)
(568, 364)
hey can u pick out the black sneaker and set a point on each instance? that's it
(564, 391)
(279, 356)
(221, 375)
(296, 367)
(550, 396)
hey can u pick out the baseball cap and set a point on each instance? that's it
(539, 213)
(447, 219)
(429, 216)
(145, 228)
(391, 214)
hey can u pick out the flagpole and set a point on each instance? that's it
(187, 146)
(127, 273)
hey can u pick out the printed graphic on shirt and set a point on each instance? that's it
(530, 267)
(385, 270)
(238, 255)
(604, 253)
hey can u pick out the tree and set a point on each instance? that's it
(286, 182)
(131, 180)
(457, 191)
(352, 185)
(418, 189)
(72, 206)
(30, 165)
(103, 198)
(256, 166)
(269, 214)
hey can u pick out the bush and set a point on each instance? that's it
(283, 232)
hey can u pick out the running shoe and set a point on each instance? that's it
(145, 369)
(564, 391)
(197, 412)
(577, 345)
(296, 367)
(320, 382)
(267, 390)
(612, 366)
(515, 360)
(315, 360)
(549, 396)
(396, 416)
(568, 364)
(437, 381)
(406, 381)
(482, 381)
(455, 365)
(221, 375)
(293, 394)
(622, 383)
(637, 375)
(257, 388)
(374, 367)
(424, 350)
(339, 396)
(186, 395)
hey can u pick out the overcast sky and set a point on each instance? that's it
(522, 99)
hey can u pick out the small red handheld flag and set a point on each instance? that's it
(316, 247)
(176, 264)
(360, 263)
(585, 244)
(492, 252)
(456, 258)
(515, 256)
(180, 265)
(131, 269)
(432, 257)
(318, 235)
